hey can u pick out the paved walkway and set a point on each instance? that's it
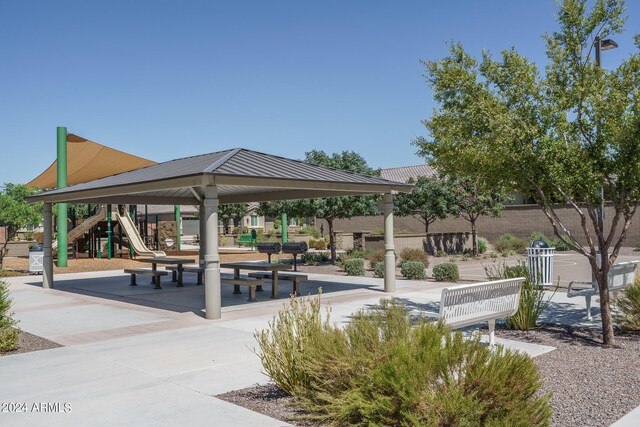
(139, 356)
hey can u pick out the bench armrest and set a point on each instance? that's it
(580, 292)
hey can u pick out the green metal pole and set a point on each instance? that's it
(285, 228)
(62, 207)
(176, 211)
(99, 243)
(109, 234)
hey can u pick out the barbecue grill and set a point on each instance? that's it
(294, 248)
(269, 248)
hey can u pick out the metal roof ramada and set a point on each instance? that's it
(231, 168)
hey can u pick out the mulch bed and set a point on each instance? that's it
(591, 385)
(29, 342)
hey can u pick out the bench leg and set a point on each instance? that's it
(199, 278)
(296, 288)
(259, 288)
(174, 276)
(492, 332)
(252, 294)
(133, 280)
(588, 301)
(236, 275)
(157, 284)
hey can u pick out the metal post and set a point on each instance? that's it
(62, 207)
(176, 213)
(213, 300)
(99, 243)
(598, 44)
(285, 227)
(157, 235)
(109, 234)
(47, 261)
(146, 224)
(389, 249)
(203, 233)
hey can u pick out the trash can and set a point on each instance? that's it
(540, 262)
(36, 257)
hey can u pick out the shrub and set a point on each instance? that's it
(376, 257)
(412, 270)
(440, 253)
(311, 231)
(378, 269)
(9, 332)
(354, 267)
(508, 244)
(314, 258)
(353, 253)
(627, 312)
(385, 369)
(320, 244)
(446, 272)
(482, 245)
(419, 255)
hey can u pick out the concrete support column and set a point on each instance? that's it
(389, 249)
(212, 293)
(47, 261)
(203, 233)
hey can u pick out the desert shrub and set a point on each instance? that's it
(532, 302)
(354, 267)
(314, 258)
(352, 254)
(419, 255)
(508, 244)
(482, 245)
(627, 309)
(320, 244)
(9, 332)
(378, 269)
(311, 231)
(412, 270)
(384, 368)
(376, 257)
(440, 253)
(446, 272)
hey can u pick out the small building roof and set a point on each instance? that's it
(404, 173)
(240, 175)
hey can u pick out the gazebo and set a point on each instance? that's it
(230, 176)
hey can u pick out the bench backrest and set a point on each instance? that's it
(470, 304)
(622, 274)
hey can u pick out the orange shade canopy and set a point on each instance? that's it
(88, 160)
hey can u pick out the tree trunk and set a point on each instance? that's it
(608, 338)
(473, 237)
(332, 243)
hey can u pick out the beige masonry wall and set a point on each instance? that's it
(520, 220)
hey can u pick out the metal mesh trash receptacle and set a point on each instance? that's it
(540, 262)
(36, 257)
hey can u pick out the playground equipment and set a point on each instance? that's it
(137, 244)
(83, 227)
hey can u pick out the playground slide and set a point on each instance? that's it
(134, 237)
(81, 228)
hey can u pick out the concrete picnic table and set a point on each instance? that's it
(165, 260)
(257, 266)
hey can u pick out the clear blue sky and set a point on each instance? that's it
(168, 79)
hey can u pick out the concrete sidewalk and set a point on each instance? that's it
(145, 357)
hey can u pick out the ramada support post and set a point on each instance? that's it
(212, 293)
(203, 233)
(389, 249)
(47, 261)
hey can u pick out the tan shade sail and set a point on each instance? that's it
(88, 160)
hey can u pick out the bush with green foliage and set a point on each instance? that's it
(408, 254)
(482, 245)
(311, 231)
(378, 269)
(314, 258)
(320, 244)
(9, 332)
(376, 257)
(627, 309)
(354, 267)
(446, 272)
(387, 368)
(412, 270)
(354, 253)
(508, 244)
(440, 253)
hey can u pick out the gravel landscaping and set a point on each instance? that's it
(29, 342)
(592, 385)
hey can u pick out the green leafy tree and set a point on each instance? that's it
(231, 212)
(16, 213)
(558, 135)
(471, 200)
(432, 198)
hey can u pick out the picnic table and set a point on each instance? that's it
(257, 266)
(179, 262)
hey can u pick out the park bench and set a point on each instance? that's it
(245, 281)
(145, 272)
(292, 277)
(245, 239)
(620, 276)
(468, 305)
(186, 269)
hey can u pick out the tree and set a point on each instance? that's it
(16, 213)
(471, 201)
(559, 135)
(432, 198)
(232, 211)
(330, 208)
